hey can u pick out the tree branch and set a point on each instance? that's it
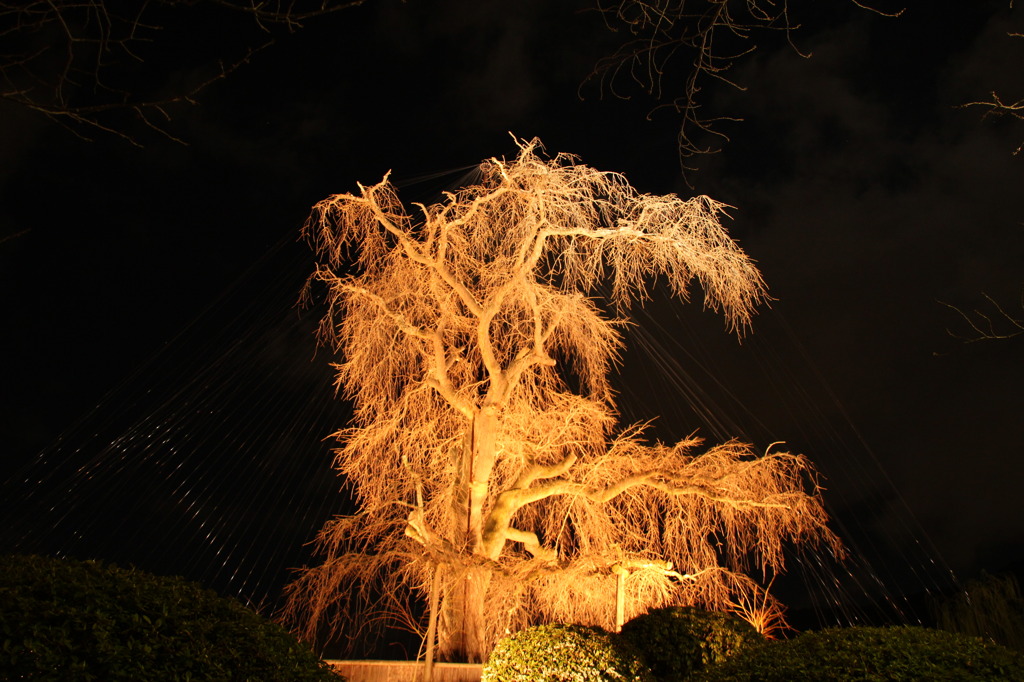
(985, 327)
(63, 55)
(653, 479)
(540, 471)
(708, 38)
(531, 543)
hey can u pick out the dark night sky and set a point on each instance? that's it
(861, 189)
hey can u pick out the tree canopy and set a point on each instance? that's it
(484, 452)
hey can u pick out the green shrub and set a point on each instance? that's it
(564, 653)
(676, 641)
(861, 653)
(81, 620)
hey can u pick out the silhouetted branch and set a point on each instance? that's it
(708, 36)
(81, 63)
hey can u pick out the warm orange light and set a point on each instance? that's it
(470, 453)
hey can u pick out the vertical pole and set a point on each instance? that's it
(620, 595)
(435, 589)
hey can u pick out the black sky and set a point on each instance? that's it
(864, 192)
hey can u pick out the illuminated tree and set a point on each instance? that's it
(483, 456)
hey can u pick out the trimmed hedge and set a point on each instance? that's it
(82, 621)
(865, 653)
(678, 640)
(564, 653)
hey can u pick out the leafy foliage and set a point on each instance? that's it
(866, 653)
(678, 640)
(82, 620)
(564, 653)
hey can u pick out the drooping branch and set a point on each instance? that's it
(738, 482)
(654, 479)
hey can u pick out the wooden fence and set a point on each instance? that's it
(406, 671)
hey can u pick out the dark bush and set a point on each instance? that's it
(849, 654)
(80, 620)
(564, 653)
(677, 640)
(990, 607)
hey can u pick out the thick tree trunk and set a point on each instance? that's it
(464, 624)
(485, 435)
(464, 619)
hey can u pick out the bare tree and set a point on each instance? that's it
(479, 470)
(75, 61)
(708, 36)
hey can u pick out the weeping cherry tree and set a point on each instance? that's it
(494, 488)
